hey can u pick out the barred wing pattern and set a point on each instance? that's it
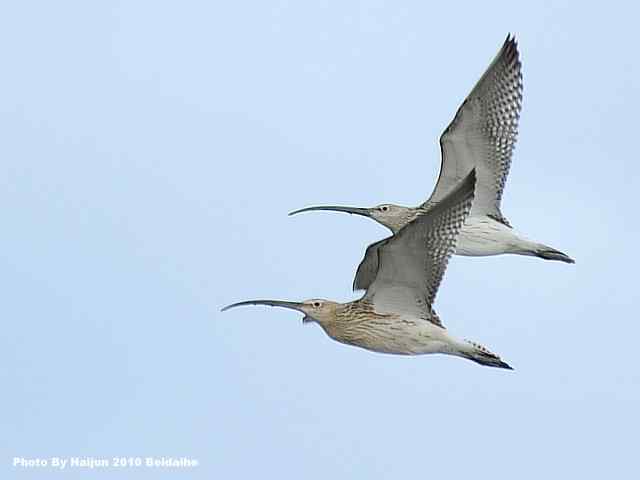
(483, 134)
(412, 263)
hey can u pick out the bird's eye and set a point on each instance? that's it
(316, 304)
(384, 208)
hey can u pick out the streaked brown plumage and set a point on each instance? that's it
(396, 315)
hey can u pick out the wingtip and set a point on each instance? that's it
(510, 52)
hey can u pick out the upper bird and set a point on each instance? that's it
(396, 315)
(482, 135)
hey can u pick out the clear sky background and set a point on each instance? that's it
(149, 156)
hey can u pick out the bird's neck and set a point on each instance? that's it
(408, 215)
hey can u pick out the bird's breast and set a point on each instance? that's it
(389, 335)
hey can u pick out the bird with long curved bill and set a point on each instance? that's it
(482, 135)
(396, 315)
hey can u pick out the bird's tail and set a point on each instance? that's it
(480, 354)
(548, 253)
(553, 254)
(540, 250)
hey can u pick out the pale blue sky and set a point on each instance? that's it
(150, 154)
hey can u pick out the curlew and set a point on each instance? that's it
(482, 135)
(395, 315)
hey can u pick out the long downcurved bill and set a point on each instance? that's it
(333, 208)
(271, 303)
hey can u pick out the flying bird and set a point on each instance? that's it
(482, 135)
(395, 315)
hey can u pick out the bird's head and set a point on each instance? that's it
(315, 310)
(394, 217)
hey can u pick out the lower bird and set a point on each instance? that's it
(396, 315)
(482, 135)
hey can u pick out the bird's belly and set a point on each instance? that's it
(483, 236)
(399, 337)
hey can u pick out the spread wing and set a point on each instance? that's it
(483, 134)
(412, 262)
